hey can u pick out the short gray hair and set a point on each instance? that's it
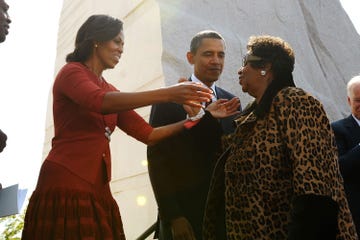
(351, 83)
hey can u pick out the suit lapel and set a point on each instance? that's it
(219, 93)
(352, 126)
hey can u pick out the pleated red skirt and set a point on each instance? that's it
(64, 206)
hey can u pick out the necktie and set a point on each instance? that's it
(213, 98)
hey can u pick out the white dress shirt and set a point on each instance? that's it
(357, 120)
(212, 87)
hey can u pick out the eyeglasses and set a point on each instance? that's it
(250, 58)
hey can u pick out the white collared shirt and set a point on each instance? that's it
(212, 87)
(357, 120)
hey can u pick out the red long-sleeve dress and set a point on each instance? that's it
(72, 199)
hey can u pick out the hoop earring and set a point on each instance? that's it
(262, 72)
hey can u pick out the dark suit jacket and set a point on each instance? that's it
(180, 167)
(347, 135)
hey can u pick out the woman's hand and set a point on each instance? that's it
(192, 94)
(224, 108)
(192, 110)
(181, 229)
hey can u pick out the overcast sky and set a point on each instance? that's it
(27, 69)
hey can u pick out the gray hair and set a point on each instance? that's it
(351, 83)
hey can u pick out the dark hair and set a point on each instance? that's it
(196, 40)
(97, 28)
(4, 6)
(272, 50)
(280, 55)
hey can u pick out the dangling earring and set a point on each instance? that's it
(262, 72)
(95, 45)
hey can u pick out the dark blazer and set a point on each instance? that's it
(181, 166)
(347, 135)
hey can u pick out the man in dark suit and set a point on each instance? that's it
(180, 168)
(347, 134)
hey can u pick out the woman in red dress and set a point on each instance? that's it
(72, 199)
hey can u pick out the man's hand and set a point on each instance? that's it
(181, 229)
(191, 110)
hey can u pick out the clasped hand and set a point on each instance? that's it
(189, 93)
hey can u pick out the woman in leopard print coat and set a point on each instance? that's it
(279, 177)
